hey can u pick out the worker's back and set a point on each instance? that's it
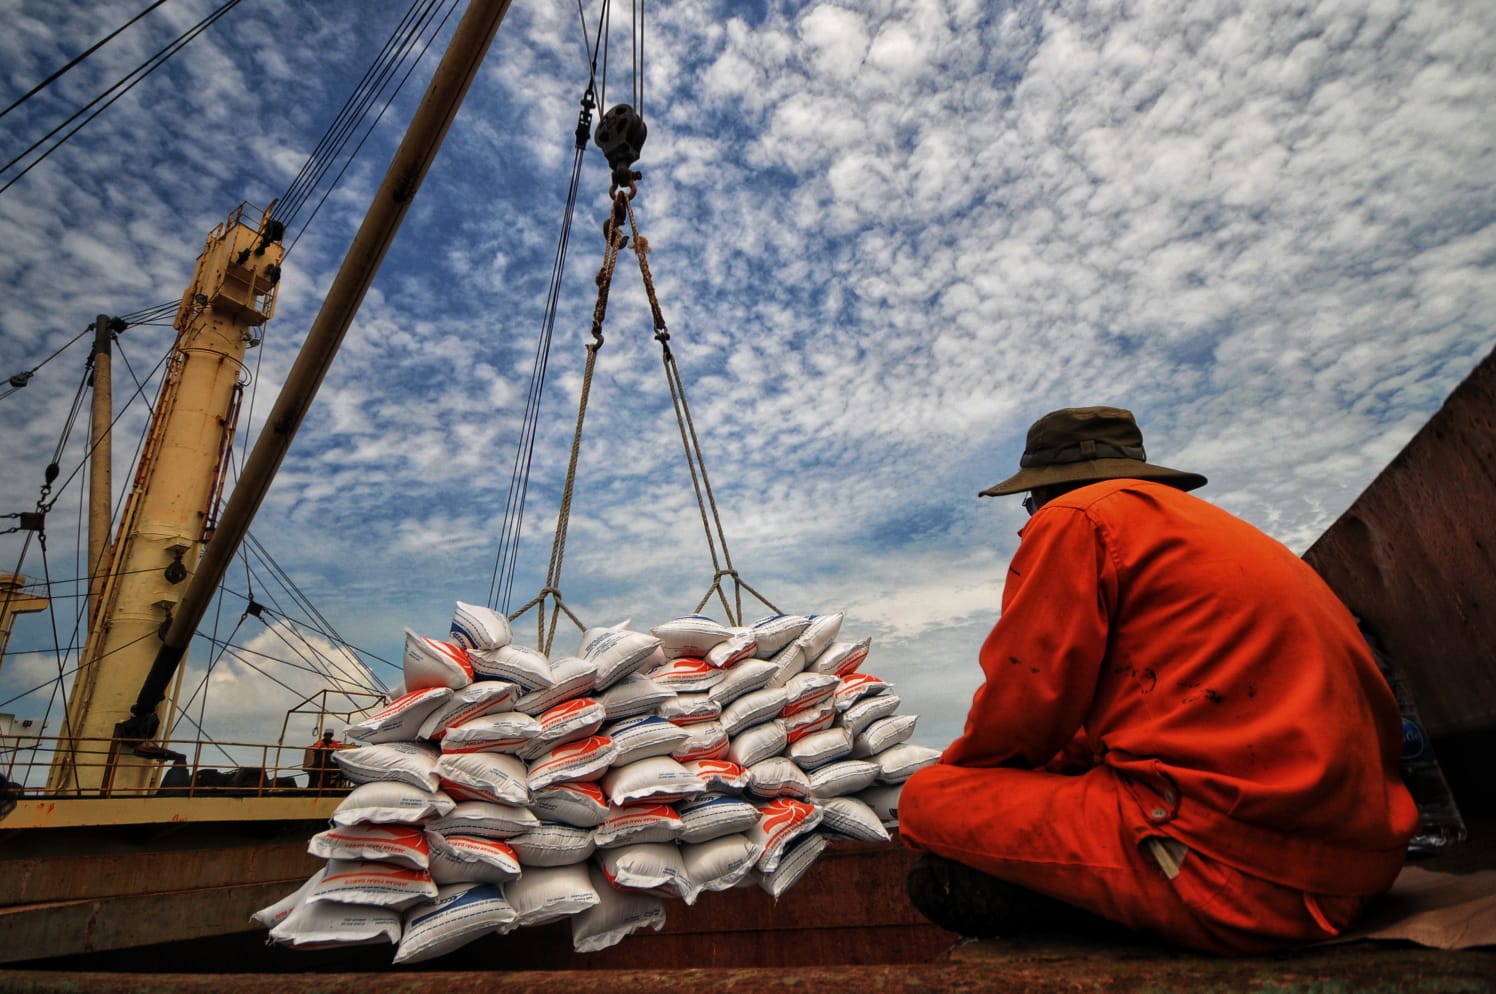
(1237, 684)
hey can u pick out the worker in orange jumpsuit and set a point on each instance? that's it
(318, 762)
(1181, 729)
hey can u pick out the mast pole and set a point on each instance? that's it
(428, 127)
(100, 468)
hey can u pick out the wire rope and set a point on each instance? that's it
(144, 69)
(23, 377)
(506, 559)
(355, 110)
(370, 130)
(73, 62)
(305, 179)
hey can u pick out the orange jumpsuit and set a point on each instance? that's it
(1164, 671)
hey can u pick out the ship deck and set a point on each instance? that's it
(802, 944)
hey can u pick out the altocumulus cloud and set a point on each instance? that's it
(885, 235)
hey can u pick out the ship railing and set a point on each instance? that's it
(181, 768)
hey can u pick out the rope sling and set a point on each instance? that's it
(615, 240)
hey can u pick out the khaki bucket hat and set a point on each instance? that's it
(1085, 444)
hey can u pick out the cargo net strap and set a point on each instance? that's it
(546, 633)
(722, 568)
(723, 571)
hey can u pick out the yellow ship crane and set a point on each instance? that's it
(169, 513)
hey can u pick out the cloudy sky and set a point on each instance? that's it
(886, 236)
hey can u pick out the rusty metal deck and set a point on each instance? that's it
(1031, 966)
(845, 928)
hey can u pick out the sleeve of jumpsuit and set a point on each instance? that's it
(1043, 657)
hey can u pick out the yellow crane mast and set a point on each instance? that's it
(169, 513)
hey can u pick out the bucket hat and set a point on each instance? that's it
(1085, 444)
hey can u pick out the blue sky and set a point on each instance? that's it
(886, 237)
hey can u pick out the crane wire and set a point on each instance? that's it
(77, 59)
(143, 70)
(368, 131)
(407, 35)
(506, 559)
(346, 116)
(397, 49)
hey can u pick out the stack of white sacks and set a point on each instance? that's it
(505, 789)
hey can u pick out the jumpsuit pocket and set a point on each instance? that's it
(1206, 887)
(1249, 914)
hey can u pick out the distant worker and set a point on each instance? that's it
(1181, 729)
(321, 772)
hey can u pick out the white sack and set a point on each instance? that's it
(328, 924)
(774, 633)
(865, 712)
(884, 800)
(276, 913)
(478, 698)
(406, 762)
(365, 882)
(758, 742)
(658, 778)
(485, 820)
(403, 845)
(902, 761)
(585, 759)
(692, 636)
(853, 818)
(571, 677)
(855, 686)
(433, 663)
(780, 823)
(689, 709)
(720, 863)
(845, 777)
(518, 664)
(739, 645)
(402, 718)
(714, 815)
(644, 736)
(707, 740)
(631, 824)
(477, 627)
(615, 916)
(820, 633)
(792, 866)
(568, 721)
(553, 844)
(841, 658)
(632, 695)
(457, 915)
(506, 731)
(885, 733)
(390, 801)
(485, 776)
(546, 894)
(471, 859)
(778, 777)
(753, 708)
(688, 675)
(719, 774)
(818, 749)
(619, 654)
(651, 867)
(583, 805)
(742, 678)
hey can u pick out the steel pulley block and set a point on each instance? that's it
(620, 134)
